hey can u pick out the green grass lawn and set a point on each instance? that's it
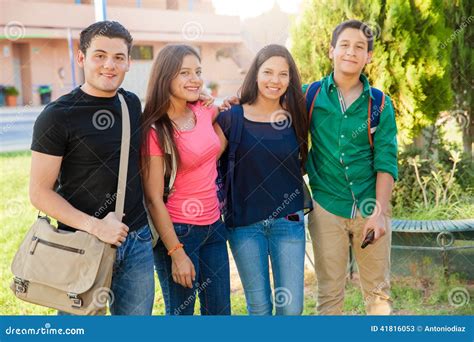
(418, 296)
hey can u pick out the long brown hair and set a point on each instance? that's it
(292, 101)
(158, 101)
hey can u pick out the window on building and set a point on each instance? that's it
(142, 52)
(172, 4)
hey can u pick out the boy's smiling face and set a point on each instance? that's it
(105, 64)
(350, 55)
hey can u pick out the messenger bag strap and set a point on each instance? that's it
(124, 152)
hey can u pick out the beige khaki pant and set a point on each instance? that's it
(331, 236)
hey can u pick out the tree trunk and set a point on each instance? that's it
(467, 135)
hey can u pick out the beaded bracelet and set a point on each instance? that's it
(175, 248)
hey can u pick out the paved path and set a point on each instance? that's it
(16, 127)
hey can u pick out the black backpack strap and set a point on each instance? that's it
(237, 122)
(235, 134)
(236, 125)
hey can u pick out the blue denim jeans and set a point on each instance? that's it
(133, 282)
(284, 242)
(206, 246)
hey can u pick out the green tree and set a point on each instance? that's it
(461, 18)
(411, 59)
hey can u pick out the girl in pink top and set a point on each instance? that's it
(191, 255)
(194, 199)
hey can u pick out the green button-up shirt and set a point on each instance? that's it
(342, 167)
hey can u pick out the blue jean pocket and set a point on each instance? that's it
(182, 230)
(144, 234)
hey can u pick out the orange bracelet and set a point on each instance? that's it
(175, 248)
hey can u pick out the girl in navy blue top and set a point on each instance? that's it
(268, 198)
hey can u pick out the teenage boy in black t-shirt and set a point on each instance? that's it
(75, 165)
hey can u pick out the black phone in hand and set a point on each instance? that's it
(368, 239)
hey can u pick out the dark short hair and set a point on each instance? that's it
(109, 29)
(355, 24)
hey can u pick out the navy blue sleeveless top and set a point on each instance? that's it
(267, 177)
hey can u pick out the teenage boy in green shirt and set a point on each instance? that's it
(351, 178)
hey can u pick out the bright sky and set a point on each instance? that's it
(253, 8)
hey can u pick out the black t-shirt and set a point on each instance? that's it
(87, 132)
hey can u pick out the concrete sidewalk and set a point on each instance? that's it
(20, 109)
(16, 127)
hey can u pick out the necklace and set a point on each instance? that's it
(187, 123)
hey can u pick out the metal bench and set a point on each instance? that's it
(449, 243)
(457, 228)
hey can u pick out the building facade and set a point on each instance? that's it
(39, 41)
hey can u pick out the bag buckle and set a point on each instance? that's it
(21, 285)
(76, 300)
